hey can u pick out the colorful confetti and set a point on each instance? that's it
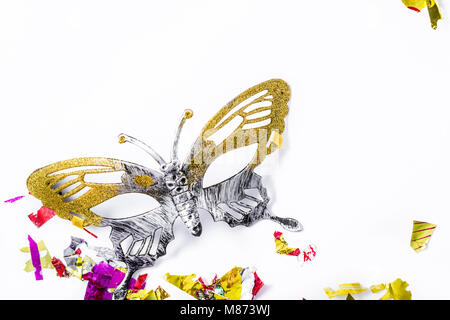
(433, 9)
(421, 234)
(45, 261)
(282, 246)
(230, 286)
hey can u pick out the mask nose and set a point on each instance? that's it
(197, 230)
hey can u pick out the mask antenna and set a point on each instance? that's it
(188, 113)
(126, 138)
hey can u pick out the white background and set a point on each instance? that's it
(366, 150)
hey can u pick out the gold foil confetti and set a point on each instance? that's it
(346, 288)
(227, 287)
(421, 234)
(185, 283)
(433, 9)
(158, 294)
(395, 290)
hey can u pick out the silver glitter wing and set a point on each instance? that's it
(140, 240)
(241, 200)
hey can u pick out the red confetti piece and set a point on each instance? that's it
(60, 267)
(90, 233)
(139, 282)
(414, 9)
(307, 254)
(277, 234)
(258, 285)
(43, 215)
(78, 252)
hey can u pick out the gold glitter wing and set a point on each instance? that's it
(255, 116)
(63, 187)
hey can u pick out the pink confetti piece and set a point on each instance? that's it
(35, 258)
(14, 199)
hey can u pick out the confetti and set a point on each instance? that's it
(282, 246)
(42, 216)
(421, 234)
(433, 9)
(14, 199)
(45, 262)
(308, 254)
(344, 289)
(158, 294)
(236, 284)
(104, 277)
(35, 258)
(395, 290)
(60, 268)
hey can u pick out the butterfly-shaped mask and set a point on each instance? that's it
(258, 116)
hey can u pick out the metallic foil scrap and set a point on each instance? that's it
(228, 287)
(421, 234)
(42, 216)
(433, 9)
(344, 289)
(45, 261)
(395, 290)
(13, 199)
(282, 246)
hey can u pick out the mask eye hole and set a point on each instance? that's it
(183, 180)
(170, 184)
(164, 167)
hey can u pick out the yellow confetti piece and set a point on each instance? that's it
(158, 294)
(277, 139)
(433, 9)
(421, 234)
(185, 283)
(415, 4)
(344, 289)
(395, 290)
(46, 260)
(377, 288)
(282, 246)
(230, 282)
(78, 222)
